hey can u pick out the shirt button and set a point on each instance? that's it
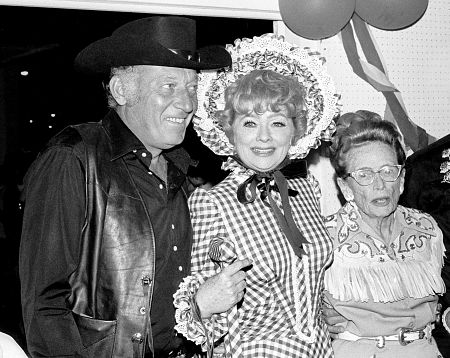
(150, 173)
(161, 186)
(137, 337)
(173, 226)
(180, 268)
(134, 150)
(144, 154)
(142, 310)
(175, 248)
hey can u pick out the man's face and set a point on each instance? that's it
(165, 104)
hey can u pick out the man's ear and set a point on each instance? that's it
(345, 189)
(117, 90)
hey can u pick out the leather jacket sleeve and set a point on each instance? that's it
(53, 219)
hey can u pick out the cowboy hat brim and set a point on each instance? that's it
(115, 51)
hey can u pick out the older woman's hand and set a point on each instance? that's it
(332, 318)
(224, 290)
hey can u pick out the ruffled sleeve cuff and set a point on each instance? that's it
(187, 314)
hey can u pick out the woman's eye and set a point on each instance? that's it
(362, 174)
(279, 124)
(169, 85)
(248, 123)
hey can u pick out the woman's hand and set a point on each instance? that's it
(332, 318)
(224, 290)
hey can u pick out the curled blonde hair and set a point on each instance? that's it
(260, 91)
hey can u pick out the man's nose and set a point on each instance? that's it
(185, 101)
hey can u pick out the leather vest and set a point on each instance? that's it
(113, 285)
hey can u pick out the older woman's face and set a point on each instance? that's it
(262, 141)
(379, 199)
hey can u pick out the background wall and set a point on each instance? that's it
(418, 64)
(417, 60)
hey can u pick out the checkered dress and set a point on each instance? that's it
(279, 316)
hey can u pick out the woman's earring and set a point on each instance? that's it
(292, 142)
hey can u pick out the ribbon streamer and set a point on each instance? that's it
(374, 72)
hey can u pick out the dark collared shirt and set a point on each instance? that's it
(166, 204)
(58, 190)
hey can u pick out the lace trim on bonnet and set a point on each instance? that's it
(269, 52)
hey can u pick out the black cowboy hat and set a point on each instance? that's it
(159, 41)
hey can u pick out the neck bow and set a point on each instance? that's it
(265, 183)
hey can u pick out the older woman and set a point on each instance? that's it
(265, 210)
(385, 276)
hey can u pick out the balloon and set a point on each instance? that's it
(316, 19)
(391, 14)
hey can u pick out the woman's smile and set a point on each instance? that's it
(264, 152)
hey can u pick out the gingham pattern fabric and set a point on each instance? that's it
(223, 253)
(279, 316)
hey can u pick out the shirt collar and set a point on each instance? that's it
(124, 141)
(356, 225)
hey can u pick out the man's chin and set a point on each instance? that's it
(173, 143)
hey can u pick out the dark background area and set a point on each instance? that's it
(52, 95)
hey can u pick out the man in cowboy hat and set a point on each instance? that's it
(106, 234)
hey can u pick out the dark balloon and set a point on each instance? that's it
(391, 14)
(316, 19)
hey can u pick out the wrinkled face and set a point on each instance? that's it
(262, 141)
(165, 104)
(379, 199)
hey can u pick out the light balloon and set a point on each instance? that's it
(391, 14)
(316, 19)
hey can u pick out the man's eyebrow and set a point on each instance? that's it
(166, 77)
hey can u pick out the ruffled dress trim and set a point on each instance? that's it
(365, 268)
(188, 322)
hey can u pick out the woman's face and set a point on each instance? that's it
(379, 199)
(262, 141)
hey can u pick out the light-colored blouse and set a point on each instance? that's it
(381, 287)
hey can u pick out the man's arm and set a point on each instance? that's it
(53, 219)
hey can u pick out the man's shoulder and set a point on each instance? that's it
(433, 151)
(73, 138)
(73, 134)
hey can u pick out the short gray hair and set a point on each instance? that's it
(129, 76)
